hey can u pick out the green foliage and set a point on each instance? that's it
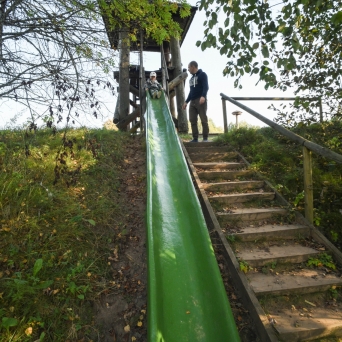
(286, 44)
(244, 266)
(155, 18)
(323, 259)
(54, 234)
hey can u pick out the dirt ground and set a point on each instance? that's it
(121, 314)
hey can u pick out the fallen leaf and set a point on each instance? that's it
(139, 324)
(127, 328)
(28, 331)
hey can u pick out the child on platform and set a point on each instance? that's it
(153, 86)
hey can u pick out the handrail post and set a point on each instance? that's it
(224, 109)
(308, 188)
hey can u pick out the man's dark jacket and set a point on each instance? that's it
(198, 86)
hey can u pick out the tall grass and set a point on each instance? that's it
(58, 201)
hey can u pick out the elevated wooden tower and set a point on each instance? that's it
(131, 78)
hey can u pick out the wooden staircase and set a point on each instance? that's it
(269, 247)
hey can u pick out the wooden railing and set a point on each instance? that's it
(308, 147)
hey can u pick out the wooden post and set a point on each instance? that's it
(124, 46)
(172, 106)
(116, 118)
(166, 48)
(308, 188)
(224, 109)
(180, 78)
(142, 96)
(180, 95)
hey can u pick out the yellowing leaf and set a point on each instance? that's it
(127, 328)
(139, 324)
(5, 229)
(28, 331)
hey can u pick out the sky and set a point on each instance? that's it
(213, 64)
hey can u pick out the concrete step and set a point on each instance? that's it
(233, 186)
(208, 156)
(243, 197)
(200, 148)
(247, 215)
(294, 282)
(257, 257)
(272, 232)
(199, 144)
(317, 323)
(212, 175)
(219, 166)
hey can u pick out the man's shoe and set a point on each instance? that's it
(154, 96)
(205, 140)
(194, 140)
(159, 94)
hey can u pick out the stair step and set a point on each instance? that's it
(229, 186)
(281, 254)
(202, 148)
(271, 231)
(291, 326)
(246, 214)
(199, 144)
(243, 197)
(208, 156)
(303, 281)
(210, 175)
(219, 166)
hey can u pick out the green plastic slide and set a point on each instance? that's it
(187, 301)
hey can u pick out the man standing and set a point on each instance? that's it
(198, 97)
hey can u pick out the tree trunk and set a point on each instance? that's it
(3, 4)
(180, 96)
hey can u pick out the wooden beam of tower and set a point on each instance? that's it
(122, 125)
(133, 90)
(180, 78)
(124, 74)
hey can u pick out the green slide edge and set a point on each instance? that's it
(187, 301)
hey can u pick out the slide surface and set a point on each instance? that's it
(187, 301)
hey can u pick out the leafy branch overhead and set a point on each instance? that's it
(55, 58)
(153, 17)
(286, 43)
